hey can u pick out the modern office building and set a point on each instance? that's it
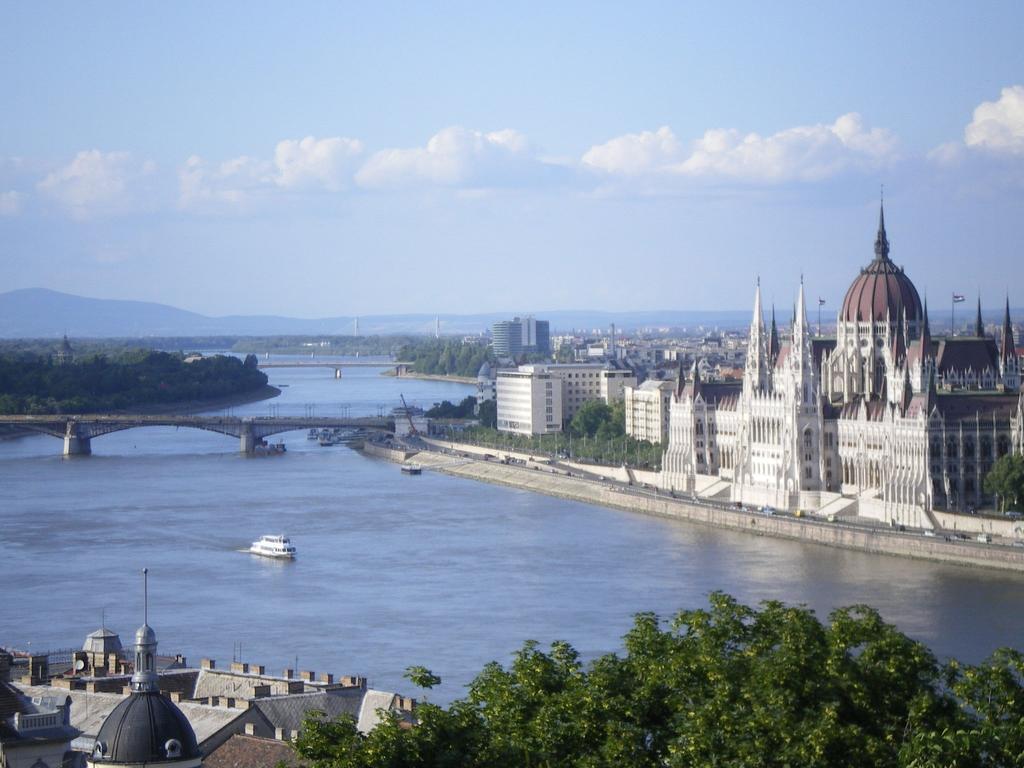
(510, 338)
(523, 393)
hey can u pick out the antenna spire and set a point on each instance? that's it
(145, 595)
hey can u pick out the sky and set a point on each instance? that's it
(317, 159)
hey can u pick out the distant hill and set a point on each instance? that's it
(42, 313)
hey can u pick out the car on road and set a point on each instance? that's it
(984, 538)
(767, 510)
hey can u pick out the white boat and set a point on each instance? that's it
(279, 547)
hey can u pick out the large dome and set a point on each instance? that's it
(145, 728)
(881, 291)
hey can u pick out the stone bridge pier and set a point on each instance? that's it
(248, 439)
(77, 440)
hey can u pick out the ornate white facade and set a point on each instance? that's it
(883, 421)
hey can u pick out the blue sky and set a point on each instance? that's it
(323, 158)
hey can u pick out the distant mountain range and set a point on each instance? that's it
(42, 313)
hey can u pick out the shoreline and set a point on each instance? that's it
(183, 408)
(432, 377)
(883, 541)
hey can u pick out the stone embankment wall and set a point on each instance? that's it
(545, 480)
(384, 452)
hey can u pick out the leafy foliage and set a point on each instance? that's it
(448, 410)
(446, 357)
(488, 414)
(34, 385)
(1007, 480)
(727, 686)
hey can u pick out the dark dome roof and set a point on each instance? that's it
(138, 729)
(881, 289)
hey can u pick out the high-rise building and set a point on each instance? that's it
(518, 335)
(507, 337)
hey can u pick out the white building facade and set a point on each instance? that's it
(859, 425)
(529, 401)
(528, 405)
(647, 410)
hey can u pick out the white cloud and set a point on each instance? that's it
(10, 203)
(455, 156)
(635, 153)
(239, 183)
(97, 183)
(803, 153)
(999, 125)
(312, 162)
(232, 184)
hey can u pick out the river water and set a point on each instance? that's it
(396, 570)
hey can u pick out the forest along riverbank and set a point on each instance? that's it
(884, 541)
(10, 432)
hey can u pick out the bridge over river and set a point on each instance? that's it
(78, 431)
(399, 366)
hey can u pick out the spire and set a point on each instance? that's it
(1008, 349)
(773, 339)
(145, 680)
(925, 340)
(801, 306)
(979, 326)
(881, 241)
(758, 319)
(696, 378)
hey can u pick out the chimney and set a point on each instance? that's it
(308, 675)
(5, 667)
(327, 677)
(207, 664)
(240, 667)
(258, 669)
(39, 670)
(289, 673)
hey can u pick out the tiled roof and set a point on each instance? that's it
(963, 353)
(960, 406)
(10, 702)
(241, 751)
(288, 712)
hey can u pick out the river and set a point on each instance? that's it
(396, 570)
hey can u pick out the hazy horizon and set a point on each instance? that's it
(338, 160)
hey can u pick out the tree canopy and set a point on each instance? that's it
(449, 357)
(34, 384)
(728, 686)
(1007, 480)
(446, 409)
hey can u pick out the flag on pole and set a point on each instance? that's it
(957, 298)
(820, 301)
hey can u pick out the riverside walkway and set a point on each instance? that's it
(79, 430)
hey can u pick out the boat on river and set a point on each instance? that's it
(275, 546)
(412, 469)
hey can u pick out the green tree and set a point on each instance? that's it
(1007, 481)
(728, 685)
(590, 417)
(488, 413)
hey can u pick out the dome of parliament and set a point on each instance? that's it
(881, 292)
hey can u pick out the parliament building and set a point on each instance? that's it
(883, 421)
